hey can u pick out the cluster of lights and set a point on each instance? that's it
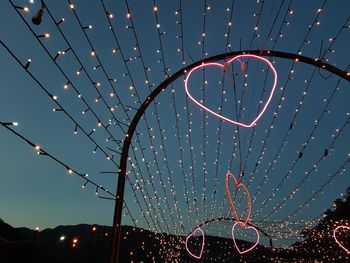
(273, 162)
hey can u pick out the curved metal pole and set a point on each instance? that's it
(127, 140)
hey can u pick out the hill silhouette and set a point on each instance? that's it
(91, 243)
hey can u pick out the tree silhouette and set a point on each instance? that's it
(319, 242)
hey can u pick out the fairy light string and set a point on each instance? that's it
(41, 152)
(284, 141)
(54, 99)
(165, 200)
(218, 132)
(68, 115)
(70, 83)
(324, 111)
(282, 98)
(204, 123)
(275, 41)
(189, 133)
(160, 130)
(90, 109)
(242, 169)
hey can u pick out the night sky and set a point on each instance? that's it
(179, 155)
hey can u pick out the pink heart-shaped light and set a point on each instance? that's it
(234, 239)
(198, 229)
(224, 67)
(336, 240)
(238, 185)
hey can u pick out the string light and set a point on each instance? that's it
(24, 8)
(36, 20)
(60, 21)
(29, 61)
(41, 151)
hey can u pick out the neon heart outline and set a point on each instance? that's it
(224, 67)
(191, 235)
(337, 241)
(237, 185)
(234, 239)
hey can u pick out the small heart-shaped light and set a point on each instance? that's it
(198, 229)
(238, 185)
(336, 240)
(234, 239)
(243, 68)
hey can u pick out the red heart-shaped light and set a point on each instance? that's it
(238, 185)
(204, 65)
(336, 240)
(234, 239)
(191, 235)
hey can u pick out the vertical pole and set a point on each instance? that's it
(118, 210)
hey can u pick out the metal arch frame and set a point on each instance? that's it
(114, 256)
